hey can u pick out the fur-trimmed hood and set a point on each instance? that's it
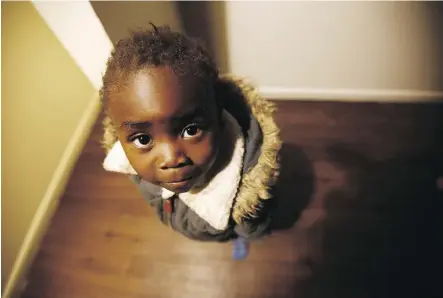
(241, 99)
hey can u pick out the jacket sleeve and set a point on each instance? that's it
(258, 226)
(253, 229)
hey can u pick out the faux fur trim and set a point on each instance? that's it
(109, 134)
(257, 182)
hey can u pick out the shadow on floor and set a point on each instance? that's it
(294, 187)
(382, 233)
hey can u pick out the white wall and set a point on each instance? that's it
(82, 34)
(321, 46)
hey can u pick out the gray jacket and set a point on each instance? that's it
(249, 218)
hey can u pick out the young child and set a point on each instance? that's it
(203, 149)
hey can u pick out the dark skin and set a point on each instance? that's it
(168, 127)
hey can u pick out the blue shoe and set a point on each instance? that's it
(240, 249)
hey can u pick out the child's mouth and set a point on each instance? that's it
(178, 185)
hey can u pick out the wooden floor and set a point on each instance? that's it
(359, 215)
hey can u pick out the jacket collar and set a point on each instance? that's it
(257, 182)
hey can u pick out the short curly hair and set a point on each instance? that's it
(157, 46)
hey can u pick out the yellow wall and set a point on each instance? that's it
(44, 95)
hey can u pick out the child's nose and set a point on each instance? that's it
(171, 157)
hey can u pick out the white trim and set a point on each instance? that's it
(80, 31)
(353, 95)
(49, 203)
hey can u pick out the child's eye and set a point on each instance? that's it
(142, 141)
(191, 131)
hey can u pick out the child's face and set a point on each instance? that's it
(168, 127)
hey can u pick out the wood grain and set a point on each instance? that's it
(359, 215)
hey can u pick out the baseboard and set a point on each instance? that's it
(49, 203)
(351, 95)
